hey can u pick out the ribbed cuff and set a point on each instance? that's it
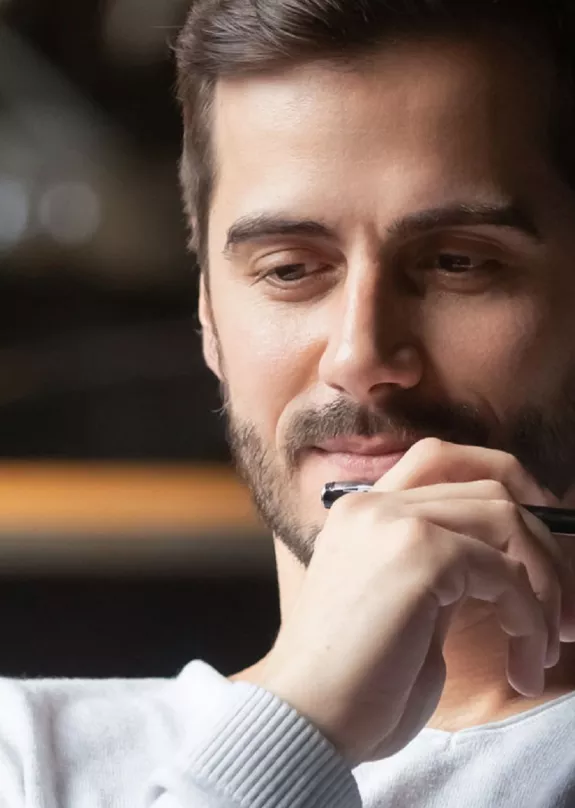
(265, 755)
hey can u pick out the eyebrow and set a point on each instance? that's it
(511, 216)
(254, 227)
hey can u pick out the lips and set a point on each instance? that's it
(358, 459)
(364, 446)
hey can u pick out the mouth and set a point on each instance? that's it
(358, 459)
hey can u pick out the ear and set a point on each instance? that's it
(209, 337)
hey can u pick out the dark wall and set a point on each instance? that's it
(99, 355)
(130, 627)
(99, 352)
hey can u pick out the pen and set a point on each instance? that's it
(557, 520)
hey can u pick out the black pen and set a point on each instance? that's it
(557, 520)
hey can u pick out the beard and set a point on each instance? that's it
(542, 439)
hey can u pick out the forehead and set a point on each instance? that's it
(417, 123)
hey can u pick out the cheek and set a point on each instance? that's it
(494, 350)
(266, 358)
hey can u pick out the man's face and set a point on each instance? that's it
(429, 292)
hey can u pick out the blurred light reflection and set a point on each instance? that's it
(70, 212)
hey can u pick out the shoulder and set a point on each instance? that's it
(92, 729)
(92, 709)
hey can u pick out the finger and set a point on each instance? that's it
(493, 490)
(538, 552)
(520, 615)
(434, 461)
(485, 489)
(562, 603)
(470, 568)
(502, 525)
(563, 570)
(526, 652)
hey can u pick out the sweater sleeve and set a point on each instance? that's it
(256, 751)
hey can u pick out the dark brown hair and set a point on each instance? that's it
(224, 38)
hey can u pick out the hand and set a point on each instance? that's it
(360, 654)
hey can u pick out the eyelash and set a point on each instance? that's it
(478, 265)
(276, 270)
(486, 265)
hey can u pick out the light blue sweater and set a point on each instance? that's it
(199, 740)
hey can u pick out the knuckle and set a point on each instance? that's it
(429, 448)
(412, 528)
(417, 540)
(519, 572)
(496, 490)
(445, 571)
(431, 564)
(411, 534)
(448, 555)
(511, 463)
(514, 470)
(526, 592)
(508, 510)
(546, 586)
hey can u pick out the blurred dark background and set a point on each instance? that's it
(100, 360)
(100, 353)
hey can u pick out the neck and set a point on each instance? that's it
(476, 690)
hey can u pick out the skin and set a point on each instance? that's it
(419, 125)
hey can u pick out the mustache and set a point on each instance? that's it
(407, 421)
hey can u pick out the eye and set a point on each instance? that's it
(301, 280)
(458, 263)
(295, 274)
(287, 273)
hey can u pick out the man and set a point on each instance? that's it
(381, 199)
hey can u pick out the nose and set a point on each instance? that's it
(370, 347)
